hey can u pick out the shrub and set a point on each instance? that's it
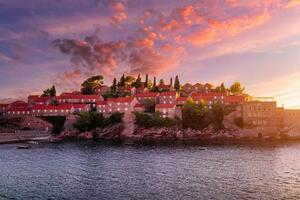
(91, 120)
(153, 120)
(239, 121)
(57, 123)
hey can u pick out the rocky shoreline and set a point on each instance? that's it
(172, 135)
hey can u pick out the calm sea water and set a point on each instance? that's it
(101, 171)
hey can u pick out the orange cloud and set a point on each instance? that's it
(217, 30)
(119, 12)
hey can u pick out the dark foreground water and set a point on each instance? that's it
(99, 171)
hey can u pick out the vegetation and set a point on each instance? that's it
(153, 120)
(236, 88)
(195, 116)
(91, 120)
(57, 123)
(149, 105)
(177, 84)
(88, 85)
(217, 114)
(239, 121)
(50, 92)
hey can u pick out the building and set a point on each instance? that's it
(210, 98)
(139, 107)
(79, 99)
(166, 110)
(291, 118)
(39, 100)
(261, 113)
(100, 89)
(18, 111)
(167, 97)
(181, 100)
(187, 88)
(148, 95)
(121, 104)
(3, 108)
(163, 87)
(58, 110)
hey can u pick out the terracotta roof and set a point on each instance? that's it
(101, 103)
(124, 99)
(18, 109)
(234, 99)
(147, 94)
(77, 96)
(165, 106)
(79, 105)
(208, 94)
(138, 105)
(39, 98)
(111, 99)
(49, 107)
(181, 98)
(168, 94)
(164, 86)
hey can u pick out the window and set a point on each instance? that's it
(164, 111)
(118, 109)
(170, 96)
(215, 97)
(164, 102)
(55, 110)
(109, 110)
(50, 110)
(33, 110)
(118, 104)
(126, 103)
(222, 97)
(164, 97)
(126, 109)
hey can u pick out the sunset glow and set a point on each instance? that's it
(255, 42)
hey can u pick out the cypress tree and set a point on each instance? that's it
(114, 85)
(154, 81)
(146, 80)
(177, 83)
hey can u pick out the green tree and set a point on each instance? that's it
(161, 82)
(194, 116)
(177, 83)
(49, 92)
(138, 82)
(146, 80)
(154, 81)
(149, 105)
(113, 87)
(171, 81)
(217, 116)
(129, 80)
(236, 88)
(122, 81)
(88, 85)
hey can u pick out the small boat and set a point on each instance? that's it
(24, 146)
(33, 142)
(203, 148)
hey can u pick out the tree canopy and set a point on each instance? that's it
(88, 85)
(236, 88)
(49, 92)
(177, 83)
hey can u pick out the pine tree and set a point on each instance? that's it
(177, 83)
(161, 82)
(122, 81)
(146, 81)
(154, 81)
(114, 86)
(171, 81)
(53, 91)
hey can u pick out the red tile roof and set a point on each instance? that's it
(52, 107)
(101, 103)
(124, 99)
(78, 96)
(147, 94)
(208, 94)
(80, 105)
(164, 86)
(138, 105)
(234, 99)
(18, 109)
(181, 98)
(165, 106)
(168, 94)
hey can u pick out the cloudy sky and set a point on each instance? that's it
(62, 42)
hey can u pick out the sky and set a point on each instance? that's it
(62, 42)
